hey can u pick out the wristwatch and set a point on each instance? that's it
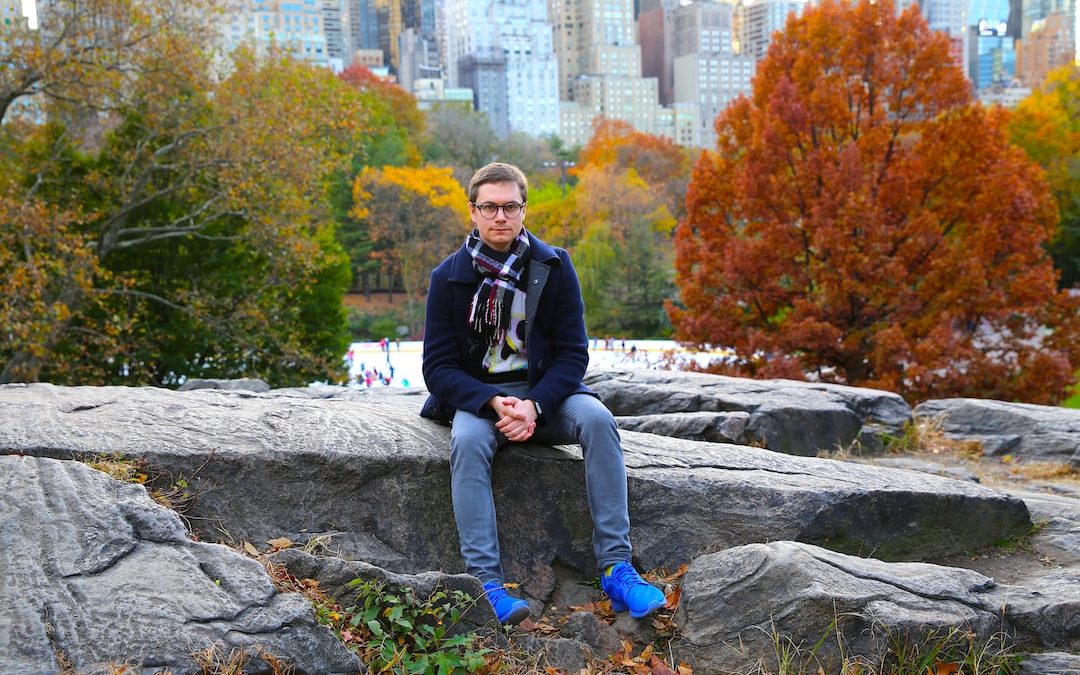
(539, 410)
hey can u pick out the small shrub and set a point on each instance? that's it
(405, 633)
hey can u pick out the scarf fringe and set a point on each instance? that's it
(489, 311)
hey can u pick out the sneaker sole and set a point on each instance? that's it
(617, 606)
(515, 617)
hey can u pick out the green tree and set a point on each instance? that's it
(624, 258)
(397, 125)
(179, 226)
(1047, 126)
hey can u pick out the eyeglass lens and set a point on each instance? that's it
(488, 210)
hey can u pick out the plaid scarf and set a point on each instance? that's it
(489, 311)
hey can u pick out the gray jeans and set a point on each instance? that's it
(580, 419)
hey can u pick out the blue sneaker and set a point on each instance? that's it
(628, 590)
(510, 610)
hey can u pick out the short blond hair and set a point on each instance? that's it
(499, 172)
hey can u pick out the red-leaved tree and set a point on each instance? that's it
(864, 222)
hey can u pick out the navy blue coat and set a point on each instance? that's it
(556, 341)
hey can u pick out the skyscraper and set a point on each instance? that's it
(335, 29)
(991, 53)
(295, 26)
(363, 25)
(707, 72)
(600, 72)
(1047, 39)
(502, 49)
(656, 35)
(594, 37)
(757, 20)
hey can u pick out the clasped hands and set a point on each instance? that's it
(517, 417)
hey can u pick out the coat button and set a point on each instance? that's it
(536, 281)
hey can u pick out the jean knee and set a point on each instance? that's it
(472, 439)
(592, 416)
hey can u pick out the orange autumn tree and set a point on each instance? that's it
(659, 161)
(864, 222)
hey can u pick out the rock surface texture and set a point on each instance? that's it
(1029, 432)
(96, 571)
(736, 601)
(798, 418)
(93, 573)
(372, 476)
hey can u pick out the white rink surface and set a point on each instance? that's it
(406, 359)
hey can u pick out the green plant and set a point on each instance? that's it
(402, 632)
(1022, 541)
(119, 467)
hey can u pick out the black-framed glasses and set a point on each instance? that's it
(488, 210)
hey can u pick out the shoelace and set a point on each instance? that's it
(626, 577)
(495, 594)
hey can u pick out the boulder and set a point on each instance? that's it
(798, 418)
(736, 602)
(1050, 663)
(239, 384)
(336, 576)
(1029, 432)
(94, 574)
(1059, 518)
(369, 478)
(715, 427)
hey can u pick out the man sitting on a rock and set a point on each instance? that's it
(505, 350)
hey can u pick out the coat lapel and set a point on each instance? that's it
(538, 276)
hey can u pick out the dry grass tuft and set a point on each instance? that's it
(925, 435)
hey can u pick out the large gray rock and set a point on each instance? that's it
(1030, 432)
(371, 477)
(93, 573)
(735, 602)
(715, 427)
(1050, 663)
(336, 577)
(239, 384)
(798, 418)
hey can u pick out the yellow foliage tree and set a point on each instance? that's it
(416, 217)
(1047, 126)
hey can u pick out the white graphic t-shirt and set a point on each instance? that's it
(509, 354)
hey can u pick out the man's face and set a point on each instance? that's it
(498, 232)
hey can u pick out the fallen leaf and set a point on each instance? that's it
(250, 549)
(659, 667)
(279, 543)
(673, 598)
(645, 653)
(685, 669)
(941, 668)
